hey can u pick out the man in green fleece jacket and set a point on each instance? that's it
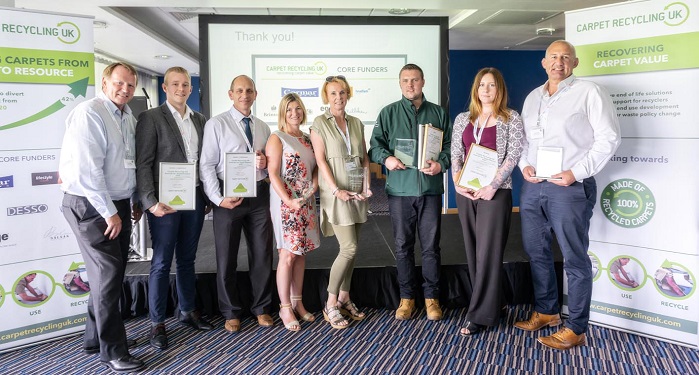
(414, 195)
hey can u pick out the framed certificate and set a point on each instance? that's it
(479, 169)
(240, 175)
(177, 186)
(431, 146)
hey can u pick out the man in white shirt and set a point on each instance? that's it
(98, 173)
(576, 122)
(171, 133)
(237, 130)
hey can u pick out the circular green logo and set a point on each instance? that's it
(627, 203)
(69, 33)
(676, 13)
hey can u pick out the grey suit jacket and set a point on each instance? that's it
(158, 139)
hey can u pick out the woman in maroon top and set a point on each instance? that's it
(485, 213)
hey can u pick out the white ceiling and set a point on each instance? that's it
(136, 33)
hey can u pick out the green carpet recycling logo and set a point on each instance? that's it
(627, 203)
(69, 32)
(676, 14)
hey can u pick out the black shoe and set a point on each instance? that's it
(124, 364)
(195, 321)
(158, 337)
(96, 349)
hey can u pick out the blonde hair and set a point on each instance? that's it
(177, 69)
(499, 104)
(336, 79)
(284, 105)
(107, 72)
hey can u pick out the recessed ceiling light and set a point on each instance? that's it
(161, 57)
(99, 24)
(186, 9)
(399, 11)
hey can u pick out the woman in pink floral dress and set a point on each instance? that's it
(294, 178)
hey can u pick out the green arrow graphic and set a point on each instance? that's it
(75, 266)
(77, 88)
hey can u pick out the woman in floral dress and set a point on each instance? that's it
(294, 178)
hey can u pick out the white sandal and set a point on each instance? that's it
(307, 317)
(294, 325)
(332, 315)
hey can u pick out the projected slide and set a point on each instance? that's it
(296, 54)
(370, 77)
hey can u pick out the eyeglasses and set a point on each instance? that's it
(330, 78)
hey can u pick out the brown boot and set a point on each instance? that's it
(538, 321)
(564, 339)
(406, 309)
(434, 312)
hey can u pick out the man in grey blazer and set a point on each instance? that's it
(171, 133)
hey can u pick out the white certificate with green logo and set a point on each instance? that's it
(240, 175)
(479, 169)
(177, 186)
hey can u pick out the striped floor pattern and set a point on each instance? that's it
(377, 345)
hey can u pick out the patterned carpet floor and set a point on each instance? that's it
(377, 345)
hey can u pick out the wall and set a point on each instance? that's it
(522, 71)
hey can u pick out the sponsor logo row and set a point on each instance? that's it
(54, 233)
(39, 178)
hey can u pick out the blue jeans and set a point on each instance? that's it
(408, 216)
(174, 234)
(547, 209)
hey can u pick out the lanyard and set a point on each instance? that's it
(242, 131)
(345, 136)
(478, 134)
(550, 102)
(119, 125)
(186, 132)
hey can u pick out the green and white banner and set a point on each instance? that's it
(644, 236)
(46, 68)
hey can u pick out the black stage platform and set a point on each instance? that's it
(374, 282)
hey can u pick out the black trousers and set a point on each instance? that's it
(421, 216)
(485, 226)
(253, 218)
(105, 261)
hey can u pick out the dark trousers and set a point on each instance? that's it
(408, 216)
(253, 218)
(485, 226)
(174, 234)
(546, 209)
(105, 261)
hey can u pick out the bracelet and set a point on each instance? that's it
(335, 191)
(156, 207)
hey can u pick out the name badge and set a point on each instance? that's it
(537, 133)
(129, 164)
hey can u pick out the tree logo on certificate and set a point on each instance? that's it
(240, 189)
(475, 183)
(628, 203)
(176, 201)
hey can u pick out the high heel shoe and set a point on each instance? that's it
(348, 308)
(307, 317)
(293, 325)
(332, 315)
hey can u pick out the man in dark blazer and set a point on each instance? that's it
(171, 133)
